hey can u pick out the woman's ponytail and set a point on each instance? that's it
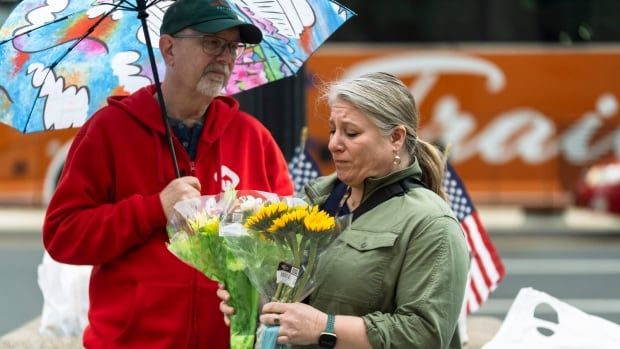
(433, 166)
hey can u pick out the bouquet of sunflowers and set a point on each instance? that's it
(281, 250)
(282, 247)
(252, 240)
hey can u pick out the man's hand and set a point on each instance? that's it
(178, 189)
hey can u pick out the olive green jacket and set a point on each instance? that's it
(402, 267)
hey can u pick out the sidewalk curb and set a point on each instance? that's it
(21, 220)
(497, 221)
(506, 220)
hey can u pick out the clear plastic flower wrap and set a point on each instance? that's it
(252, 240)
(194, 237)
(281, 249)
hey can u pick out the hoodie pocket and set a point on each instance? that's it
(159, 317)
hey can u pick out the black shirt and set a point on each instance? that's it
(188, 136)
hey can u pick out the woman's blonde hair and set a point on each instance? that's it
(388, 103)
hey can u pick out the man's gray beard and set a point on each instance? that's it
(209, 88)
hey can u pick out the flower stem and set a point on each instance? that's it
(299, 290)
(292, 241)
(276, 295)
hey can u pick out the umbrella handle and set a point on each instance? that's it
(142, 15)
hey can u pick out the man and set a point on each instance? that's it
(118, 188)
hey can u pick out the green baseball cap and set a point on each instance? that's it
(206, 16)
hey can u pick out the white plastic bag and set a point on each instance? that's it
(65, 297)
(575, 329)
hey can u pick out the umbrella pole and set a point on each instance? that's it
(142, 14)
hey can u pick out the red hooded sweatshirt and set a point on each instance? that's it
(106, 212)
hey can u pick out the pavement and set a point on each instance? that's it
(21, 220)
(481, 330)
(496, 219)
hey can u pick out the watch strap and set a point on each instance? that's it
(331, 321)
(328, 337)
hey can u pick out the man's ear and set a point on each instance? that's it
(165, 47)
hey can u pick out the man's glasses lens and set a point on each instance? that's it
(215, 46)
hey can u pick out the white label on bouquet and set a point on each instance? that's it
(236, 217)
(287, 274)
(232, 229)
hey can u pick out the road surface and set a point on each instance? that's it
(580, 268)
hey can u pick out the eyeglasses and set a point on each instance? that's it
(214, 45)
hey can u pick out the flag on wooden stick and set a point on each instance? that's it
(302, 167)
(486, 270)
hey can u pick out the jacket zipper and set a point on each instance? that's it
(192, 168)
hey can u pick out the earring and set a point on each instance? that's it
(396, 160)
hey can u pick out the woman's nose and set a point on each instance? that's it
(334, 144)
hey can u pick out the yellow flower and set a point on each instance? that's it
(289, 221)
(210, 227)
(204, 223)
(318, 221)
(262, 219)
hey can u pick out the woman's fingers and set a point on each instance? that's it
(222, 293)
(282, 340)
(275, 307)
(271, 319)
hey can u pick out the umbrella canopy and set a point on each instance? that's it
(61, 59)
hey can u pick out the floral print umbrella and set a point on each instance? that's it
(60, 59)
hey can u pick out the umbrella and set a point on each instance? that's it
(61, 59)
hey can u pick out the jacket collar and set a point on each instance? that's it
(371, 184)
(318, 191)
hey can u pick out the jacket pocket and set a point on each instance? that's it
(158, 317)
(356, 273)
(371, 242)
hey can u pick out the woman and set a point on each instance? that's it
(396, 278)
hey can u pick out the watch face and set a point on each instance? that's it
(327, 340)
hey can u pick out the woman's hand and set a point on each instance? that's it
(226, 309)
(300, 323)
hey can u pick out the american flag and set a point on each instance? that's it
(302, 168)
(486, 270)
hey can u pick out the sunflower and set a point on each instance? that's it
(262, 219)
(289, 221)
(318, 221)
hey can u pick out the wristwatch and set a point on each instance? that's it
(328, 338)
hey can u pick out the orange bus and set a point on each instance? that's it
(522, 122)
(31, 164)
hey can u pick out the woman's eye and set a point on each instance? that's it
(351, 134)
